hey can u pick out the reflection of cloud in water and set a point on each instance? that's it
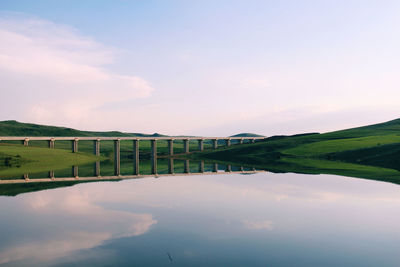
(62, 221)
(73, 222)
(53, 249)
(261, 187)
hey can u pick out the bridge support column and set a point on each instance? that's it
(153, 156)
(186, 145)
(228, 168)
(170, 165)
(75, 171)
(201, 166)
(215, 167)
(201, 144)
(136, 157)
(26, 142)
(117, 157)
(228, 142)
(96, 147)
(170, 147)
(97, 169)
(241, 141)
(253, 141)
(186, 166)
(75, 145)
(215, 143)
(51, 143)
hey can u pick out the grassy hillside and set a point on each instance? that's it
(14, 128)
(247, 135)
(340, 145)
(369, 151)
(19, 159)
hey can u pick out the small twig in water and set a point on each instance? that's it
(169, 256)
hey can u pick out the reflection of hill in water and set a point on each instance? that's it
(63, 178)
(12, 186)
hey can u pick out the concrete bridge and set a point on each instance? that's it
(135, 146)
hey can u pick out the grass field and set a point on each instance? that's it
(371, 152)
(340, 145)
(35, 159)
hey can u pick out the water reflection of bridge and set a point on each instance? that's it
(135, 149)
(187, 170)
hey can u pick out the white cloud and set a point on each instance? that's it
(51, 73)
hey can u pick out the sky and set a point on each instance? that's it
(212, 68)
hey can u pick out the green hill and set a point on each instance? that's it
(247, 135)
(16, 160)
(369, 151)
(15, 128)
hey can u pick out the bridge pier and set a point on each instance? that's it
(96, 147)
(201, 144)
(136, 157)
(153, 156)
(171, 166)
(75, 171)
(117, 157)
(253, 141)
(170, 147)
(97, 169)
(228, 142)
(215, 167)
(215, 143)
(201, 166)
(228, 168)
(51, 143)
(241, 141)
(186, 145)
(186, 166)
(75, 145)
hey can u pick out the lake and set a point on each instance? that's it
(260, 219)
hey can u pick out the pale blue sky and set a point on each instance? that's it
(200, 67)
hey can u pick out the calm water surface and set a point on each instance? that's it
(214, 220)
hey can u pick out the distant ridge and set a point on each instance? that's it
(247, 135)
(15, 128)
